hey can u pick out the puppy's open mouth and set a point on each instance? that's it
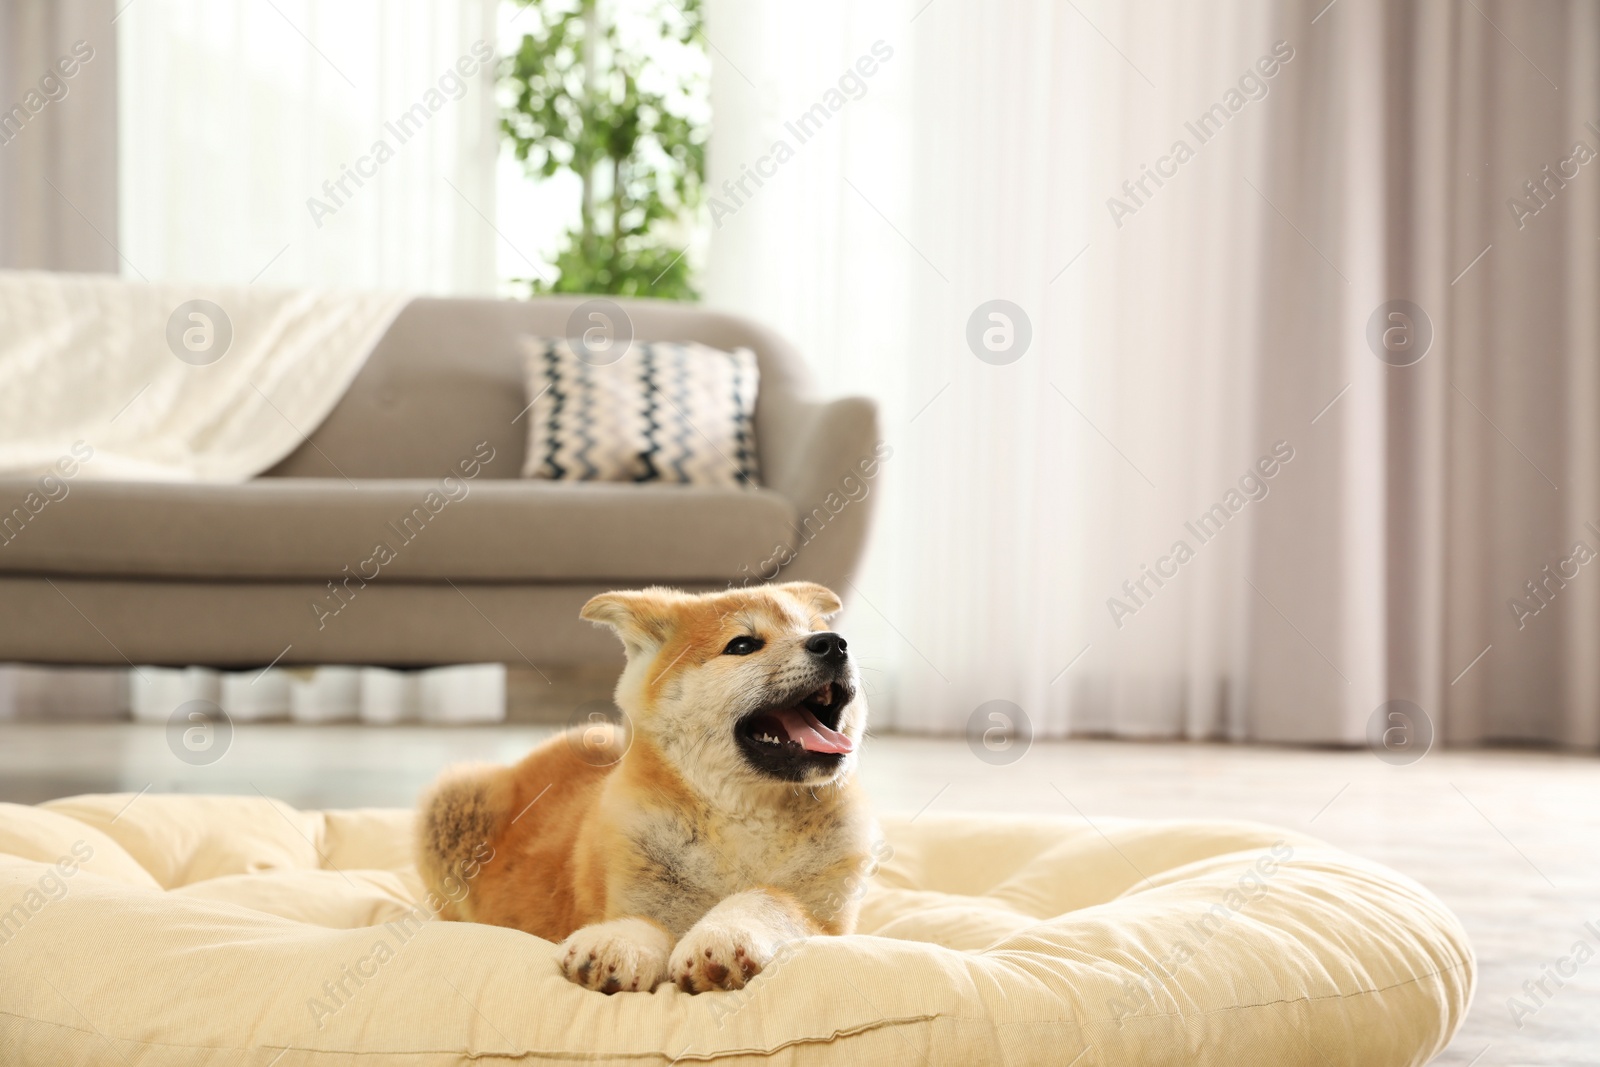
(793, 736)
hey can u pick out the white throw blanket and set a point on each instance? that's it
(146, 382)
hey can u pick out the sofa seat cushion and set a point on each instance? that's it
(402, 530)
(232, 930)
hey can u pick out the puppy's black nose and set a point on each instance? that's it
(830, 646)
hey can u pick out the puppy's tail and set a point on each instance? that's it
(459, 821)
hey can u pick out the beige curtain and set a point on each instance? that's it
(1196, 322)
(1448, 154)
(58, 135)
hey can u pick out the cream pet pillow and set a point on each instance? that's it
(236, 931)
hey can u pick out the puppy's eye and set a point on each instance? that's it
(743, 646)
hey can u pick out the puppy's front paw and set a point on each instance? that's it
(717, 956)
(612, 957)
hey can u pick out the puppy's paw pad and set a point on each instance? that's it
(625, 955)
(716, 958)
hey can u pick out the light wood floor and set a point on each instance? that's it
(1509, 839)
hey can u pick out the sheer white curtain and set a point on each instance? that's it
(1199, 348)
(347, 142)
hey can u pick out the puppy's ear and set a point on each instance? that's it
(819, 598)
(642, 618)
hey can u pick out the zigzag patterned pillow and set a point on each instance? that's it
(665, 412)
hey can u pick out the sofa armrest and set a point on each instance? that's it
(828, 465)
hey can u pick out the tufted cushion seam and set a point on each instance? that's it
(540, 1054)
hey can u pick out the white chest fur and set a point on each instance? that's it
(685, 866)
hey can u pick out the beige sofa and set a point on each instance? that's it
(277, 568)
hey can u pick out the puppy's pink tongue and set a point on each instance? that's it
(804, 727)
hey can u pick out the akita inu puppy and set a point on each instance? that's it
(725, 825)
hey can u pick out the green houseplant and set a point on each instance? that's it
(618, 110)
